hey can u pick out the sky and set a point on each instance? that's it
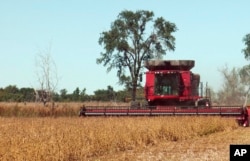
(209, 32)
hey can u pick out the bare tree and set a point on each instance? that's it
(46, 75)
(233, 90)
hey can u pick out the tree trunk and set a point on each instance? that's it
(134, 86)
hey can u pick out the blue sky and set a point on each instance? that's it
(209, 32)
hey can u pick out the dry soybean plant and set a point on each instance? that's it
(67, 138)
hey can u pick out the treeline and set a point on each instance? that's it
(12, 93)
(108, 94)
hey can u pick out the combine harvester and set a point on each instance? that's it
(171, 89)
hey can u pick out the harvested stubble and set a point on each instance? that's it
(90, 138)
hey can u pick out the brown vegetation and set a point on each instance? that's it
(102, 138)
(8, 109)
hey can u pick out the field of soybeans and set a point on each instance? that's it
(33, 132)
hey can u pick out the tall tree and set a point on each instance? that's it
(76, 94)
(127, 43)
(63, 93)
(83, 95)
(246, 50)
(245, 70)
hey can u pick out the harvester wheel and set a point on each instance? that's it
(82, 111)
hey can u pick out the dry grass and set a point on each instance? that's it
(32, 135)
(63, 104)
(109, 138)
(10, 109)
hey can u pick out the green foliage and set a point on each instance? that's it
(236, 86)
(63, 93)
(127, 43)
(245, 70)
(12, 93)
(246, 50)
(105, 95)
(27, 94)
(76, 94)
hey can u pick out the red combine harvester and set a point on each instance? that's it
(171, 89)
(172, 83)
